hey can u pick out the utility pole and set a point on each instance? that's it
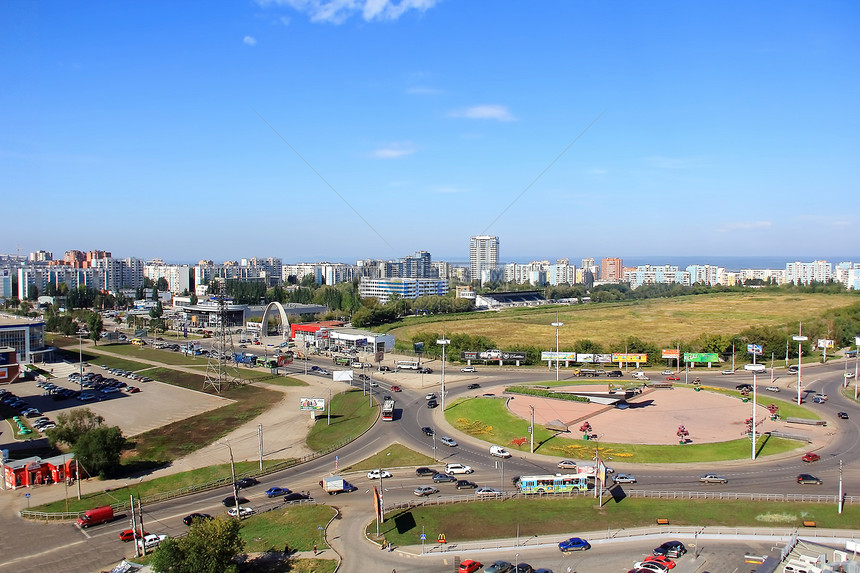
(557, 325)
(532, 430)
(260, 438)
(839, 499)
(800, 339)
(133, 526)
(442, 342)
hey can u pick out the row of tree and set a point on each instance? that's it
(97, 447)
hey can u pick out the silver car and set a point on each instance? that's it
(448, 441)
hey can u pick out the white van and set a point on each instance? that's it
(499, 452)
(757, 368)
(639, 376)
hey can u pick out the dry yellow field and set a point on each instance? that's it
(660, 321)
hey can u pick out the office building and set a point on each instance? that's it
(483, 257)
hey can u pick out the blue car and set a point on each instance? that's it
(276, 491)
(574, 544)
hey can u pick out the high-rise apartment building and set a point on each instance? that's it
(483, 256)
(611, 270)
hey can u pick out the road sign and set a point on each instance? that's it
(26, 495)
(423, 537)
(754, 348)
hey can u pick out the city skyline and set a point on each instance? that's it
(341, 131)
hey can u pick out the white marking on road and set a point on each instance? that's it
(46, 552)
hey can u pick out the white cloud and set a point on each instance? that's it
(394, 151)
(422, 90)
(250, 40)
(338, 11)
(746, 226)
(497, 112)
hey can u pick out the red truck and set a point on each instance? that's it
(96, 516)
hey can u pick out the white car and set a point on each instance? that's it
(666, 373)
(458, 469)
(151, 541)
(376, 474)
(487, 492)
(849, 375)
(772, 388)
(468, 369)
(499, 452)
(727, 372)
(430, 396)
(243, 511)
(566, 465)
(425, 490)
(624, 478)
(448, 441)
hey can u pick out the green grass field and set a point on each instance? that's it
(488, 419)
(351, 414)
(394, 456)
(574, 515)
(660, 321)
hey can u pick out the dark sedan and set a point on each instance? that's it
(232, 501)
(443, 478)
(421, 472)
(189, 519)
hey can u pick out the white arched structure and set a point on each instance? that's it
(285, 322)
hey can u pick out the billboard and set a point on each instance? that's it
(312, 404)
(629, 357)
(494, 355)
(671, 353)
(342, 376)
(754, 349)
(824, 343)
(605, 358)
(584, 357)
(558, 356)
(701, 357)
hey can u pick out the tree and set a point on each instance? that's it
(73, 424)
(95, 326)
(99, 450)
(193, 299)
(162, 285)
(156, 321)
(210, 547)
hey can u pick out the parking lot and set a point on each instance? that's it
(155, 405)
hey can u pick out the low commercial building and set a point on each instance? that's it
(37, 471)
(27, 337)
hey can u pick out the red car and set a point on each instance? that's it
(810, 457)
(133, 389)
(662, 560)
(128, 534)
(395, 389)
(469, 566)
(672, 377)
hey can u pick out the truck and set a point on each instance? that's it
(96, 516)
(333, 485)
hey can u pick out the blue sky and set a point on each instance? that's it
(336, 130)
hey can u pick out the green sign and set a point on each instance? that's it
(701, 357)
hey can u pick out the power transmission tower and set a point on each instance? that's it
(221, 372)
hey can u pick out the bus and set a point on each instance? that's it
(388, 410)
(342, 360)
(138, 342)
(279, 360)
(558, 483)
(407, 365)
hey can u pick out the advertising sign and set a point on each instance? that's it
(604, 358)
(360, 342)
(673, 353)
(418, 347)
(701, 357)
(342, 376)
(629, 357)
(584, 357)
(469, 355)
(824, 343)
(499, 355)
(380, 356)
(559, 356)
(754, 348)
(312, 404)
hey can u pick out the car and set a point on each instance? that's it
(849, 375)
(323, 372)
(499, 452)
(232, 501)
(499, 567)
(661, 559)
(128, 534)
(469, 566)
(808, 479)
(132, 389)
(297, 496)
(744, 386)
(468, 369)
(727, 372)
(448, 441)
(672, 377)
(86, 397)
(666, 373)
(819, 400)
(443, 478)
(842, 415)
(432, 403)
(713, 478)
(473, 386)
(428, 431)
(466, 484)
(314, 368)
(574, 544)
(151, 541)
(190, 519)
(246, 482)
(422, 471)
(241, 511)
(425, 371)
(276, 491)
(772, 388)
(378, 474)
(649, 567)
(396, 389)
(430, 396)
(624, 478)
(670, 549)
(523, 568)
(810, 457)
(373, 384)
(487, 492)
(424, 490)
(455, 468)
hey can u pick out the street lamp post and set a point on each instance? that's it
(233, 474)
(443, 342)
(800, 340)
(557, 325)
